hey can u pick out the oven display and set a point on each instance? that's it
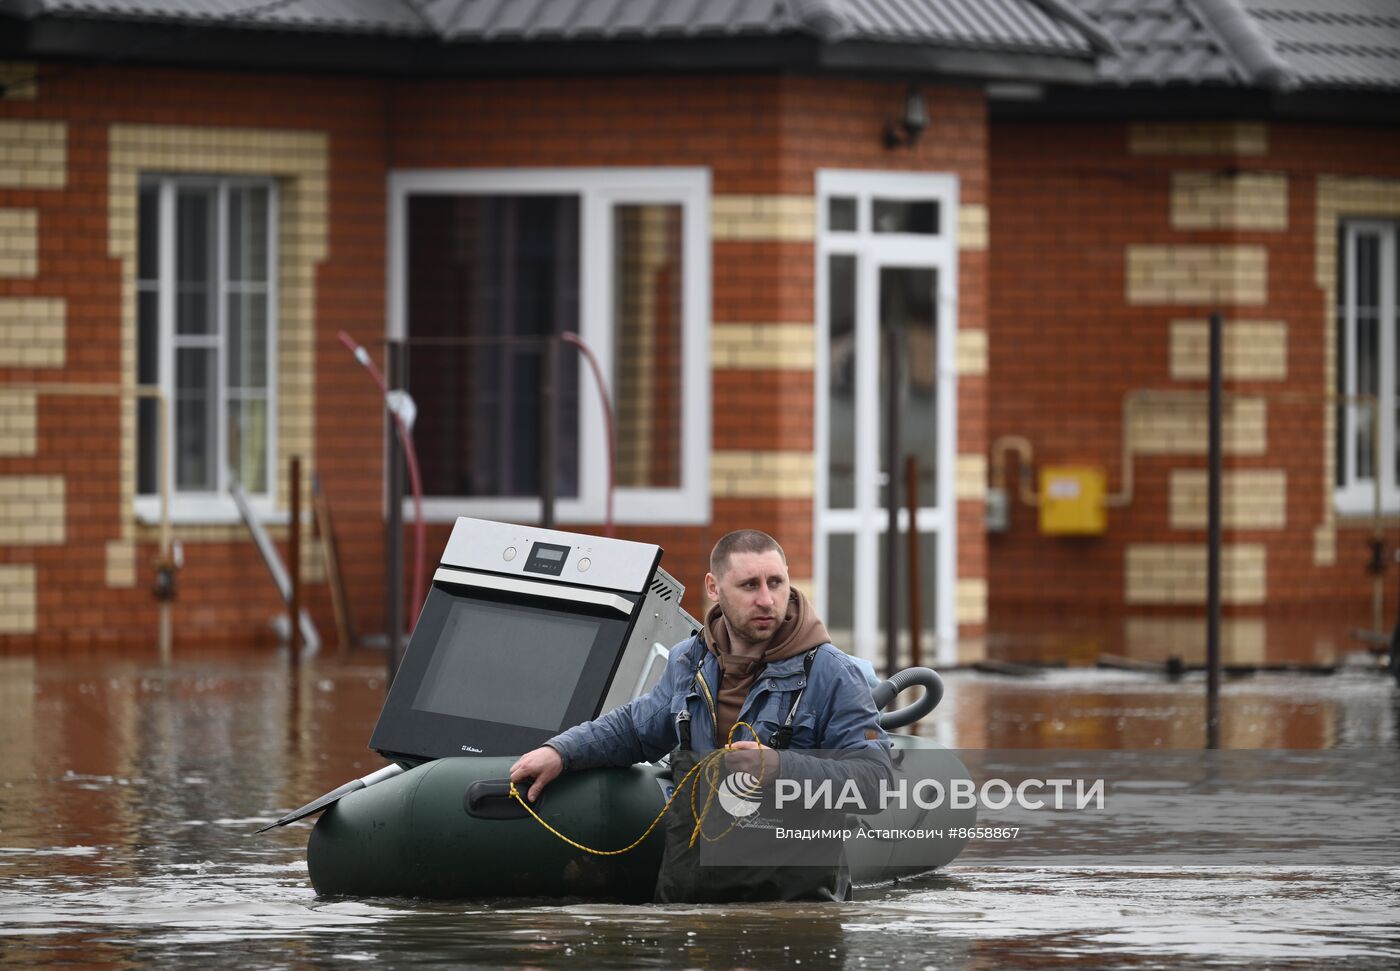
(548, 559)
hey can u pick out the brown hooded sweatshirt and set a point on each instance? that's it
(800, 631)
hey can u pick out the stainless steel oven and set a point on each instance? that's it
(525, 632)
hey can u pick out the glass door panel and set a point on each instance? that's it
(909, 327)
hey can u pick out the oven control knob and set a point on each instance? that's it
(584, 564)
(509, 554)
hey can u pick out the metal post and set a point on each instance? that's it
(393, 528)
(548, 432)
(911, 507)
(892, 504)
(1213, 539)
(294, 562)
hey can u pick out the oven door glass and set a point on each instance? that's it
(497, 672)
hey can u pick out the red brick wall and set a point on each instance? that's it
(1065, 347)
(762, 135)
(225, 593)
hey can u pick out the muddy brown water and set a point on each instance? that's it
(129, 792)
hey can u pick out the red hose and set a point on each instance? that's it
(569, 337)
(410, 458)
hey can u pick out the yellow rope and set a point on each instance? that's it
(709, 763)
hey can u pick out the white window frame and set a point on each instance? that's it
(217, 506)
(598, 190)
(1357, 496)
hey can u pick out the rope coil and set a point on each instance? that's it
(709, 764)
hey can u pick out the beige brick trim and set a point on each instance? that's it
(1325, 545)
(971, 597)
(1253, 350)
(1248, 201)
(31, 510)
(1198, 138)
(1242, 640)
(299, 161)
(20, 80)
(973, 227)
(18, 422)
(784, 347)
(33, 155)
(1164, 573)
(32, 331)
(1189, 274)
(762, 475)
(1180, 427)
(1249, 499)
(970, 481)
(1338, 198)
(19, 243)
(972, 352)
(19, 599)
(746, 218)
(121, 564)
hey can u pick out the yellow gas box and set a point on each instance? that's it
(1072, 500)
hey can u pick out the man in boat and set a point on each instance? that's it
(764, 660)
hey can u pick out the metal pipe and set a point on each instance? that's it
(911, 506)
(892, 503)
(1021, 446)
(548, 445)
(294, 562)
(1213, 542)
(393, 539)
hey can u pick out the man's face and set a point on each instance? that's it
(752, 594)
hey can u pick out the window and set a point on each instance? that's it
(1368, 360)
(206, 332)
(489, 268)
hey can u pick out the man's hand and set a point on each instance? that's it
(543, 765)
(757, 760)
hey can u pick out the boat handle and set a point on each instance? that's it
(491, 799)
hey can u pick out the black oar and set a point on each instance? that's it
(316, 805)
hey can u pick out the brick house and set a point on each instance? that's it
(724, 200)
(1239, 156)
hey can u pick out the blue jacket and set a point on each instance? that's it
(836, 712)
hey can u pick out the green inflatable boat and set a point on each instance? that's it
(449, 829)
(525, 632)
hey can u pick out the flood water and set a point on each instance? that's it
(129, 793)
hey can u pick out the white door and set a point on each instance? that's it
(886, 273)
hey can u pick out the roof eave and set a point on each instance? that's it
(166, 44)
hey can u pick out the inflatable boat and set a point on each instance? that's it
(525, 632)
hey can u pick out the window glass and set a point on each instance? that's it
(908, 326)
(841, 214)
(1368, 366)
(841, 381)
(194, 261)
(489, 276)
(647, 325)
(196, 417)
(205, 295)
(905, 216)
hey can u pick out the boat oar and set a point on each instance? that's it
(316, 805)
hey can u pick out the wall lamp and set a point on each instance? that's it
(911, 125)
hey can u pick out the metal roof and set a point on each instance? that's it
(1161, 42)
(360, 16)
(1336, 44)
(1006, 26)
(1272, 44)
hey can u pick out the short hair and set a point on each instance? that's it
(742, 541)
